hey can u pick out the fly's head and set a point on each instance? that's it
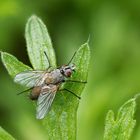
(67, 70)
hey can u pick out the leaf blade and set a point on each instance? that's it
(12, 64)
(38, 41)
(61, 121)
(123, 126)
(5, 135)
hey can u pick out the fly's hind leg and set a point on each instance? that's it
(50, 67)
(29, 89)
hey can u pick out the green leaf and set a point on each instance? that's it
(12, 64)
(38, 42)
(4, 135)
(61, 121)
(122, 127)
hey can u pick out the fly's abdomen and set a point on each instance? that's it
(35, 93)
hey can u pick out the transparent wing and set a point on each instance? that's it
(45, 100)
(29, 78)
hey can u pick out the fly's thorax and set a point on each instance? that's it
(49, 79)
(35, 93)
(54, 77)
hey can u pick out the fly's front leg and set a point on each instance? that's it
(50, 67)
(75, 81)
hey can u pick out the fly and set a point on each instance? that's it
(45, 84)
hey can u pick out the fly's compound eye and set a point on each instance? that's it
(68, 72)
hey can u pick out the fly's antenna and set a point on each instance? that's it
(72, 58)
(47, 58)
(25, 91)
(76, 51)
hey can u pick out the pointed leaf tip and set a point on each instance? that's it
(63, 113)
(12, 64)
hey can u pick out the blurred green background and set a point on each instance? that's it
(114, 76)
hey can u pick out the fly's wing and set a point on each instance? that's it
(45, 100)
(29, 78)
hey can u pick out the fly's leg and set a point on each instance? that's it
(75, 81)
(47, 59)
(50, 67)
(25, 91)
(72, 58)
(70, 92)
(28, 95)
